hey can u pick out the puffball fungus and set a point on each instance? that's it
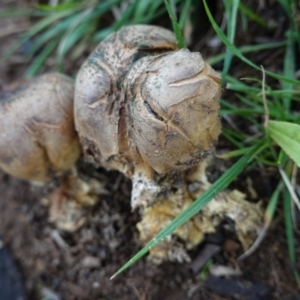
(37, 135)
(141, 107)
(152, 112)
(172, 110)
(38, 143)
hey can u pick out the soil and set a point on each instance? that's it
(59, 265)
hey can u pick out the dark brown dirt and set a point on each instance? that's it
(82, 269)
(108, 240)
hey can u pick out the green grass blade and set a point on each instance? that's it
(252, 15)
(205, 270)
(231, 139)
(69, 41)
(198, 204)
(102, 34)
(268, 217)
(287, 136)
(104, 6)
(295, 22)
(235, 153)
(289, 71)
(247, 49)
(184, 13)
(13, 48)
(78, 51)
(8, 13)
(238, 53)
(142, 7)
(270, 210)
(39, 61)
(286, 6)
(130, 17)
(231, 14)
(45, 22)
(78, 29)
(287, 205)
(54, 32)
(291, 10)
(127, 18)
(62, 6)
(283, 92)
(154, 7)
(175, 26)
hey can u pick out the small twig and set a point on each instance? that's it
(289, 187)
(253, 137)
(257, 242)
(230, 122)
(294, 183)
(59, 240)
(137, 292)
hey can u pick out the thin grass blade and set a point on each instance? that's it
(37, 64)
(252, 15)
(184, 13)
(8, 13)
(141, 8)
(62, 6)
(78, 29)
(238, 53)
(268, 217)
(248, 49)
(289, 71)
(54, 32)
(175, 26)
(287, 136)
(44, 23)
(287, 205)
(231, 14)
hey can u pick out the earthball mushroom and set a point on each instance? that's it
(143, 107)
(39, 143)
(37, 135)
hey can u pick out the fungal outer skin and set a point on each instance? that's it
(173, 110)
(173, 117)
(100, 96)
(37, 134)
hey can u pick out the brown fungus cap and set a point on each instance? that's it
(100, 95)
(140, 105)
(174, 110)
(37, 134)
